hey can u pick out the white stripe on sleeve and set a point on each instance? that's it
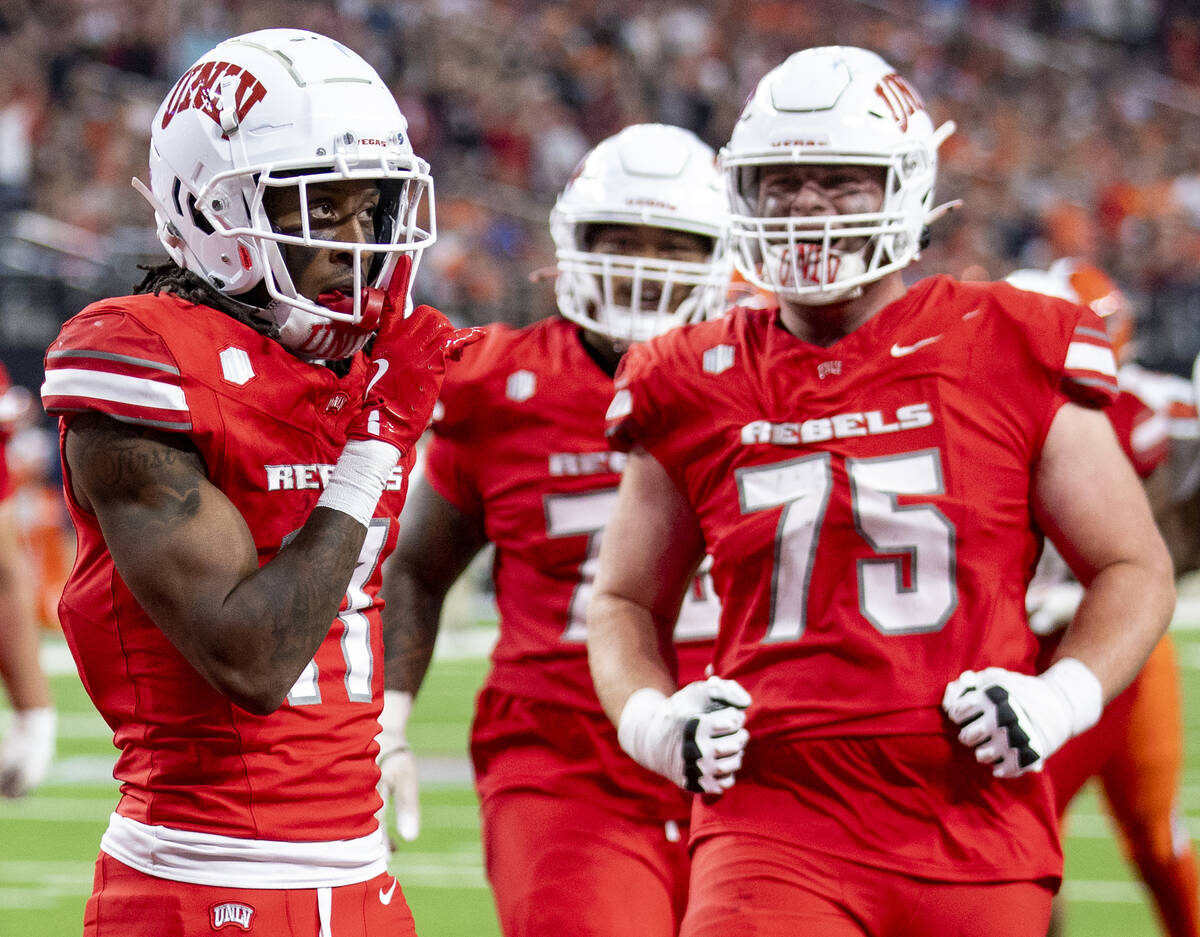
(1151, 432)
(1082, 356)
(102, 385)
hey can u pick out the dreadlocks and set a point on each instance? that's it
(169, 277)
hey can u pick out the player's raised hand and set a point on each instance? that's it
(408, 363)
(408, 360)
(1015, 721)
(695, 737)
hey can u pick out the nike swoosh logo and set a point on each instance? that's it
(899, 351)
(381, 366)
(385, 897)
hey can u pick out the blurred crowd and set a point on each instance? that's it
(1078, 120)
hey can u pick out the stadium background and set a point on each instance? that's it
(1079, 134)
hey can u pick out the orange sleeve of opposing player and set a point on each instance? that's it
(1148, 775)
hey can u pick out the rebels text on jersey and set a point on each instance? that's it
(269, 428)
(867, 505)
(519, 441)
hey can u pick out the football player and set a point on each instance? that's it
(236, 438)
(577, 838)
(1136, 749)
(28, 745)
(871, 467)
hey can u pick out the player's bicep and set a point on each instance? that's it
(1088, 498)
(179, 543)
(437, 541)
(653, 544)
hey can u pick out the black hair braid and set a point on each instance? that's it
(169, 277)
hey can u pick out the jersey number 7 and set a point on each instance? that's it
(356, 629)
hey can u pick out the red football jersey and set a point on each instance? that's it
(269, 427)
(520, 441)
(1142, 433)
(867, 508)
(866, 505)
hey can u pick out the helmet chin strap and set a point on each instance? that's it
(789, 270)
(374, 304)
(314, 337)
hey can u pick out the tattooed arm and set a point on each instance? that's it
(437, 542)
(190, 561)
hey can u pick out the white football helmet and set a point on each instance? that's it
(647, 174)
(832, 106)
(285, 107)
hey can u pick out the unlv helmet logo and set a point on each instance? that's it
(197, 89)
(900, 97)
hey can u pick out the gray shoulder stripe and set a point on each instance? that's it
(109, 356)
(1092, 333)
(181, 427)
(157, 424)
(1092, 382)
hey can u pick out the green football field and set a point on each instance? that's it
(48, 841)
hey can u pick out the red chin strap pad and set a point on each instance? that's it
(375, 304)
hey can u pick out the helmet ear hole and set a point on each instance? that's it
(198, 218)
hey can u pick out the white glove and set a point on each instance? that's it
(1015, 721)
(694, 737)
(397, 766)
(27, 750)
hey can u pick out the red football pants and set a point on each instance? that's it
(560, 866)
(744, 885)
(128, 903)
